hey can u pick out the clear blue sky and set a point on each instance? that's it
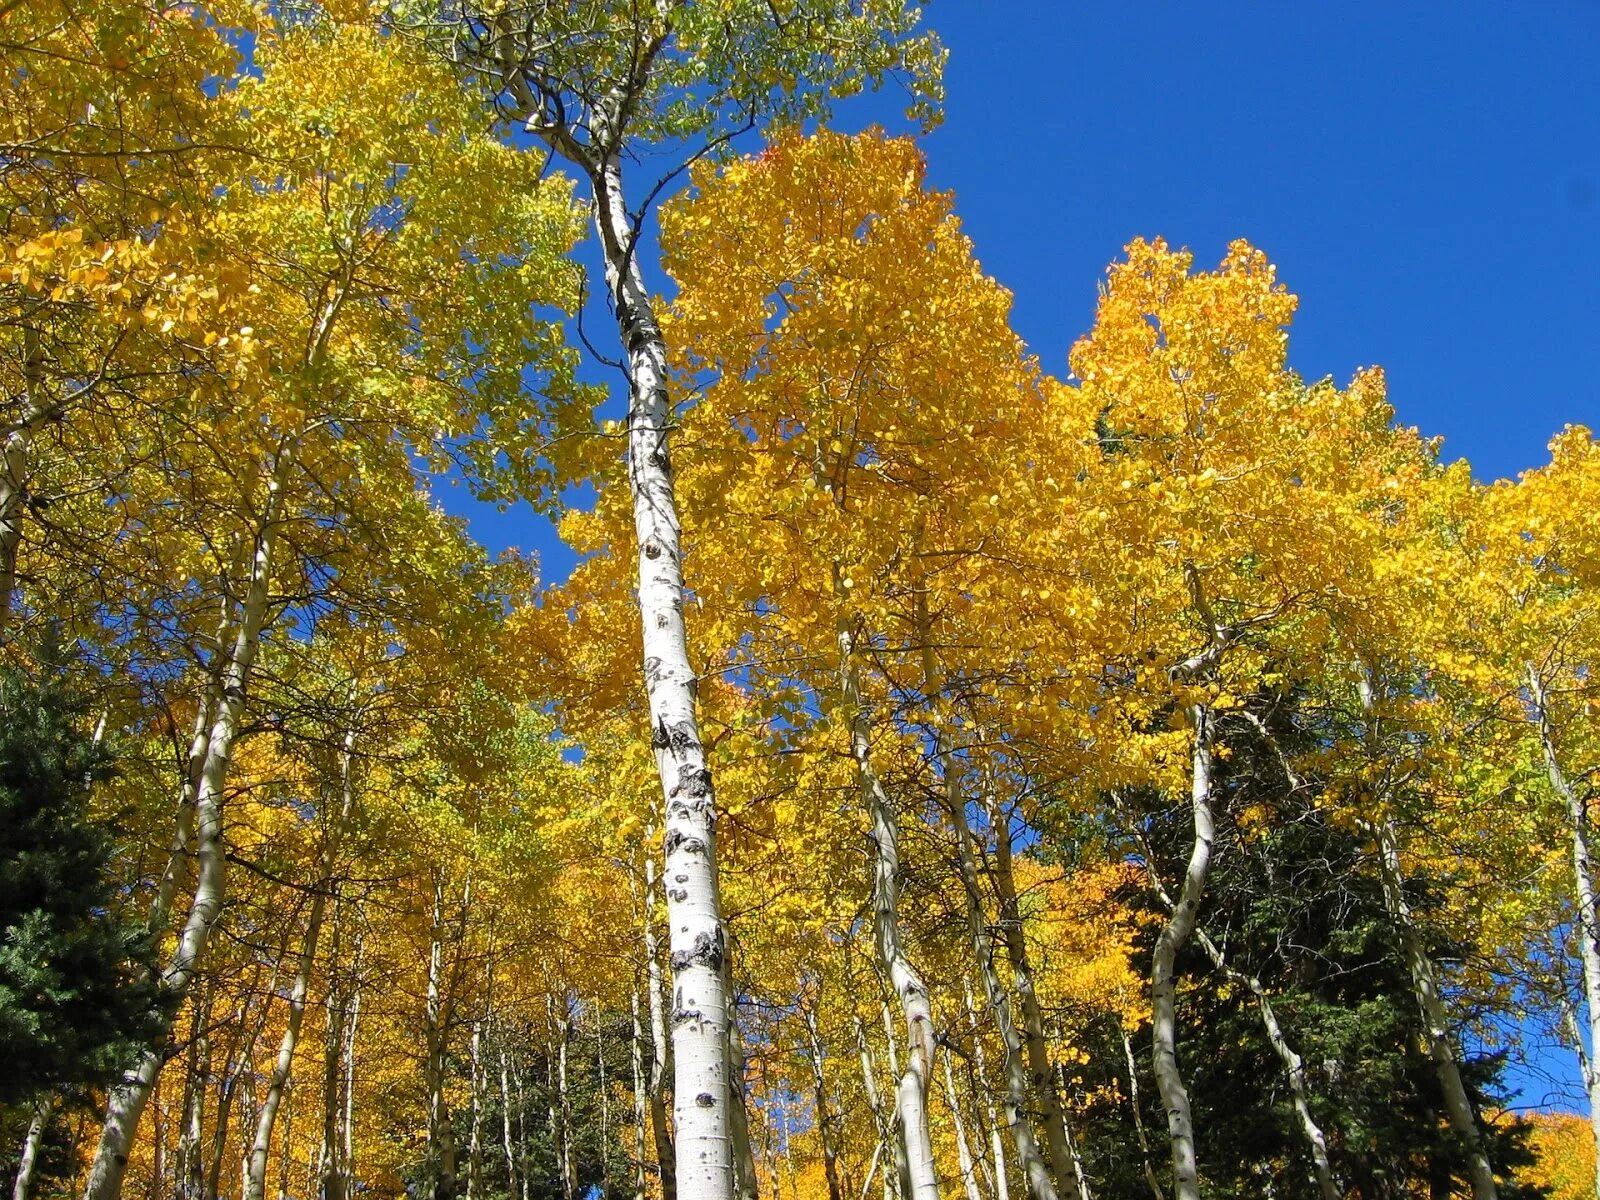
(1426, 177)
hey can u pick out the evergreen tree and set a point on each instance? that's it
(75, 989)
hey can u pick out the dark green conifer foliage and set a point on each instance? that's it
(76, 988)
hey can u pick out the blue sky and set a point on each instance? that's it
(1426, 177)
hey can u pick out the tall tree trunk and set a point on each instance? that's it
(1040, 1184)
(563, 1106)
(698, 936)
(1040, 1074)
(825, 1120)
(881, 1117)
(1577, 806)
(28, 1163)
(14, 469)
(128, 1098)
(911, 1092)
(969, 1175)
(1436, 1020)
(1424, 975)
(1138, 1110)
(255, 1185)
(505, 1119)
(1000, 1184)
(1293, 1068)
(197, 1075)
(441, 1134)
(475, 1142)
(660, 1046)
(1163, 976)
(745, 1180)
(641, 1103)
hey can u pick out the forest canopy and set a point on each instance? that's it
(936, 778)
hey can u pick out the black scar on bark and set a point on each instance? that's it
(705, 1100)
(707, 951)
(682, 1016)
(677, 895)
(652, 668)
(694, 783)
(678, 840)
(652, 549)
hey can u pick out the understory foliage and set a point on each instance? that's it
(1167, 779)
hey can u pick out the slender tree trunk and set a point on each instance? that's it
(1424, 976)
(641, 1103)
(347, 1147)
(14, 468)
(336, 1017)
(1138, 1113)
(1040, 1184)
(505, 1120)
(694, 907)
(660, 1044)
(441, 1135)
(911, 1092)
(563, 1105)
(1436, 1020)
(980, 1084)
(127, 1099)
(969, 1175)
(1293, 1068)
(1163, 976)
(746, 1182)
(1577, 806)
(881, 1117)
(197, 1075)
(825, 1120)
(1037, 1050)
(475, 1142)
(256, 1176)
(28, 1163)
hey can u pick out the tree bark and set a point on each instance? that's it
(1138, 1111)
(256, 1176)
(660, 1045)
(28, 1162)
(969, 1176)
(14, 468)
(1436, 1020)
(1000, 1183)
(825, 1120)
(441, 1135)
(1163, 979)
(745, 1180)
(911, 1092)
(1040, 1074)
(698, 936)
(1577, 806)
(128, 1098)
(1040, 1184)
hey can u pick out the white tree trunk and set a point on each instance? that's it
(1577, 806)
(1435, 1018)
(1163, 979)
(1001, 1185)
(1040, 1075)
(969, 1176)
(14, 468)
(28, 1164)
(698, 938)
(824, 1118)
(1040, 1184)
(256, 1176)
(911, 1091)
(128, 1098)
